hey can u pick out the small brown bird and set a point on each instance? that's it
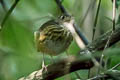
(53, 37)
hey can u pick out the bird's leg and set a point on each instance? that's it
(44, 67)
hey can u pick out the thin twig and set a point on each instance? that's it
(114, 13)
(86, 13)
(83, 19)
(79, 40)
(107, 44)
(102, 55)
(3, 4)
(8, 14)
(117, 65)
(108, 75)
(62, 9)
(80, 34)
(96, 19)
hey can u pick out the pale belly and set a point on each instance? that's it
(54, 47)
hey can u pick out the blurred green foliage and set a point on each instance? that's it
(117, 3)
(18, 55)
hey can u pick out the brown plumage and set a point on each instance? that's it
(52, 37)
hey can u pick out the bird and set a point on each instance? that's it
(53, 38)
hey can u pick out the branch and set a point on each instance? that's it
(100, 42)
(69, 65)
(91, 5)
(61, 7)
(114, 13)
(60, 68)
(113, 75)
(96, 19)
(3, 4)
(8, 14)
(79, 37)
